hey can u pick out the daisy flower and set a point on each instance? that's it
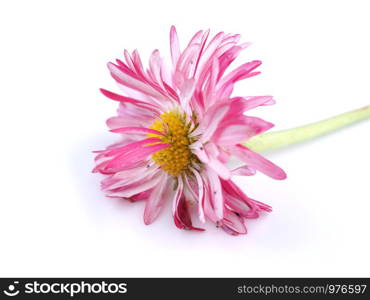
(179, 125)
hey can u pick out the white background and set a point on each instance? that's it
(54, 220)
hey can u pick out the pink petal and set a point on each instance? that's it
(237, 201)
(216, 197)
(210, 88)
(136, 115)
(132, 82)
(229, 56)
(179, 209)
(200, 195)
(233, 131)
(201, 49)
(131, 176)
(211, 121)
(128, 59)
(243, 171)
(241, 206)
(233, 224)
(130, 147)
(136, 188)
(258, 162)
(138, 65)
(119, 122)
(240, 72)
(261, 206)
(242, 104)
(182, 216)
(117, 97)
(189, 189)
(174, 45)
(207, 55)
(137, 130)
(186, 65)
(141, 196)
(126, 160)
(161, 193)
(155, 68)
(214, 163)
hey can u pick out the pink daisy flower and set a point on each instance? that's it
(179, 126)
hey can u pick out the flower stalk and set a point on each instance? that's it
(279, 139)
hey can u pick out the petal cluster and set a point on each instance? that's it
(179, 125)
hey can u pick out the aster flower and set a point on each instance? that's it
(179, 126)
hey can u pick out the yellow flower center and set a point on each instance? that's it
(176, 158)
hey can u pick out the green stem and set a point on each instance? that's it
(279, 139)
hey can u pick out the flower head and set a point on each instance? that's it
(178, 127)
